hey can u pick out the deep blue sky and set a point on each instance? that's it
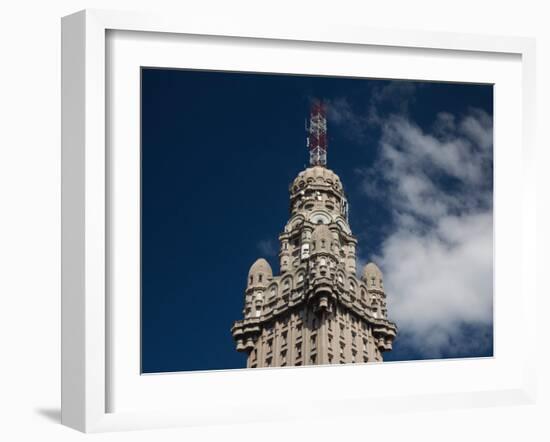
(218, 153)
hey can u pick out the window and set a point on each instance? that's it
(269, 345)
(305, 251)
(314, 323)
(300, 277)
(298, 351)
(268, 362)
(313, 341)
(284, 338)
(365, 344)
(283, 355)
(330, 359)
(353, 335)
(313, 359)
(353, 354)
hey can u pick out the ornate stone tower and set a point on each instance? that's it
(317, 311)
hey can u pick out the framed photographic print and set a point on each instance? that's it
(271, 210)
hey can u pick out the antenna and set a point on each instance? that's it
(317, 134)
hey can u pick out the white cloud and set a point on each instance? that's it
(341, 113)
(438, 261)
(267, 248)
(398, 95)
(440, 280)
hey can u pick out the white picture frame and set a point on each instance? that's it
(87, 355)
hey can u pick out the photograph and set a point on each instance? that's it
(303, 220)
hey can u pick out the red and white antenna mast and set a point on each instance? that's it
(317, 134)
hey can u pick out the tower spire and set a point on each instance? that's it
(317, 310)
(317, 134)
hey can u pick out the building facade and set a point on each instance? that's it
(317, 310)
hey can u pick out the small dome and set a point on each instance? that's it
(316, 174)
(372, 275)
(260, 272)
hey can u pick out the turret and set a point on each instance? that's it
(258, 277)
(372, 276)
(259, 274)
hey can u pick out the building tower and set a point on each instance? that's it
(317, 311)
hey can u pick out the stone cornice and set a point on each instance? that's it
(382, 328)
